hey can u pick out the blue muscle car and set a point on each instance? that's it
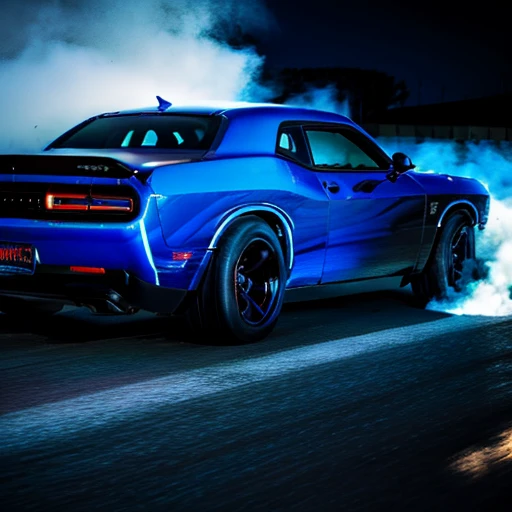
(212, 213)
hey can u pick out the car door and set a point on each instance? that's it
(375, 226)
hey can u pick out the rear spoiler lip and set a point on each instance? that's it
(67, 165)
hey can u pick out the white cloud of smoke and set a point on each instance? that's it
(323, 98)
(491, 163)
(65, 61)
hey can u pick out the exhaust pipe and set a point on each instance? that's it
(105, 301)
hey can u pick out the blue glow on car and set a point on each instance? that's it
(156, 198)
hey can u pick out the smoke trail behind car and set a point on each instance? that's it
(61, 62)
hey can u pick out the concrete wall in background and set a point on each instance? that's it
(440, 132)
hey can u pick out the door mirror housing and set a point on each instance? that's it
(401, 163)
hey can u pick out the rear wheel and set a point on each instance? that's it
(243, 291)
(452, 265)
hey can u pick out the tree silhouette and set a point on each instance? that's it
(369, 92)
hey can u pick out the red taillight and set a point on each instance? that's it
(65, 201)
(112, 204)
(71, 202)
(181, 256)
(88, 270)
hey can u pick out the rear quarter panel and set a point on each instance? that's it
(194, 199)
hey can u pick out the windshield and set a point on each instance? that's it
(163, 131)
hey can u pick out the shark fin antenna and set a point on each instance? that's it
(163, 104)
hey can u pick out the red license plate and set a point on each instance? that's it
(17, 258)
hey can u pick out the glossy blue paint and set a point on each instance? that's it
(191, 213)
(189, 199)
(253, 130)
(372, 234)
(106, 245)
(437, 183)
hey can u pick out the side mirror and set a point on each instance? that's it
(401, 163)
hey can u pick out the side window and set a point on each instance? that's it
(287, 143)
(330, 149)
(290, 143)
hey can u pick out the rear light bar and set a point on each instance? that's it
(87, 270)
(71, 202)
(68, 202)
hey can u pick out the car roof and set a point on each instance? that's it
(252, 126)
(237, 108)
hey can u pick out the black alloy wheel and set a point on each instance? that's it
(241, 296)
(451, 264)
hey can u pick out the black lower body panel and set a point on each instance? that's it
(112, 292)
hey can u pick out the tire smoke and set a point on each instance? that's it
(491, 163)
(63, 62)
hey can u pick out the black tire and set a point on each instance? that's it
(451, 266)
(242, 294)
(28, 309)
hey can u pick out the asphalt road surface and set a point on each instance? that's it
(360, 403)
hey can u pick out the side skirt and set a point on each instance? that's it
(327, 291)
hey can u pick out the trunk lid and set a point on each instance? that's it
(111, 163)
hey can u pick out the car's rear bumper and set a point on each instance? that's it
(112, 292)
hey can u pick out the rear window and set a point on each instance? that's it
(164, 131)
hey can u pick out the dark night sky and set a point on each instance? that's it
(454, 51)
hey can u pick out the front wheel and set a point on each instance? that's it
(243, 292)
(451, 266)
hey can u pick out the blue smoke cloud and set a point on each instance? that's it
(491, 163)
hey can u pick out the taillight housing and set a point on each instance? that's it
(64, 201)
(91, 200)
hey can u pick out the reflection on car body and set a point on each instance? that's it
(218, 213)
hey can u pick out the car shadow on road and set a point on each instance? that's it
(313, 321)
(74, 325)
(300, 322)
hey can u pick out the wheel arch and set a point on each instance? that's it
(278, 220)
(461, 205)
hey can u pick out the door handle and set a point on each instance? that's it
(331, 187)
